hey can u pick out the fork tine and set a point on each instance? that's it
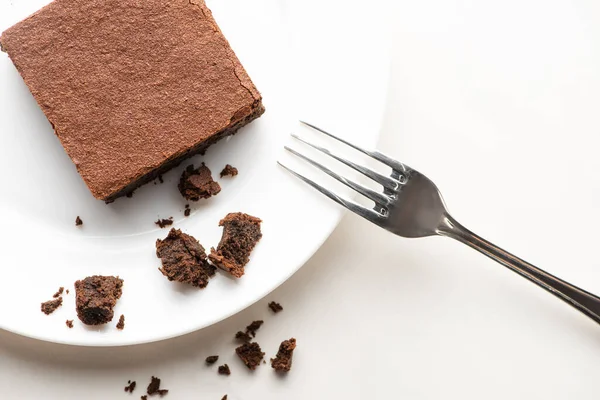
(378, 198)
(350, 205)
(390, 162)
(383, 180)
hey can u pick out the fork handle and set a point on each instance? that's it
(586, 302)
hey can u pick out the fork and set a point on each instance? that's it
(410, 205)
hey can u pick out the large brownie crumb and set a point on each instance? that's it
(241, 232)
(58, 292)
(196, 184)
(129, 388)
(251, 354)
(95, 298)
(253, 327)
(154, 387)
(50, 306)
(69, 323)
(184, 259)
(275, 307)
(211, 359)
(224, 370)
(229, 171)
(162, 223)
(121, 323)
(283, 360)
(78, 221)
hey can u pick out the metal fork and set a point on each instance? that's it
(410, 205)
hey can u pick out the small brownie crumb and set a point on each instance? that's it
(241, 232)
(283, 360)
(59, 292)
(69, 323)
(224, 370)
(211, 359)
(229, 171)
(162, 223)
(129, 388)
(251, 354)
(154, 387)
(275, 307)
(224, 397)
(160, 178)
(129, 195)
(95, 298)
(187, 211)
(121, 323)
(67, 291)
(144, 397)
(184, 259)
(253, 327)
(50, 306)
(196, 184)
(78, 221)
(243, 336)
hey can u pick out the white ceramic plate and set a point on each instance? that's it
(326, 62)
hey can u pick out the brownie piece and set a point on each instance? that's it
(50, 306)
(283, 360)
(253, 327)
(154, 387)
(59, 292)
(162, 223)
(275, 307)
(126, 110)
(251, 354)
(130, 387)
(121, 323)
(78, 221)
(212, 359)
(196, 184)
(69, 323)
(183, 259)
(241, 232)
(224, 370)
(243, 336)
(229, 171)
(95, 298)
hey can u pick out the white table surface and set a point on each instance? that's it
(379, 317)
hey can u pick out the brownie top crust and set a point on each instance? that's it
(129, 85)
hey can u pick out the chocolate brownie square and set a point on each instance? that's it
(131, 87)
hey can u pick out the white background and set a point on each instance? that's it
(497, 102)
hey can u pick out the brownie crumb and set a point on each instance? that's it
(69, 323)
(129, 388)
(253, 327)
(211, 359)
(196, 184)
(67, 291)
(162, 223)
(241, 232)
(224, 370)
(154, 387)
(160, 178)
(59, 292)
(283, 360)
(187, 210)
(50, 306)
(275, 307)
(144, 397)
(129, 195)
(251, 354)
(184, 259)
(243, 336)
(224, 397)
(229, 171)
(121, 323)
(78, 221)
(95, 298)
